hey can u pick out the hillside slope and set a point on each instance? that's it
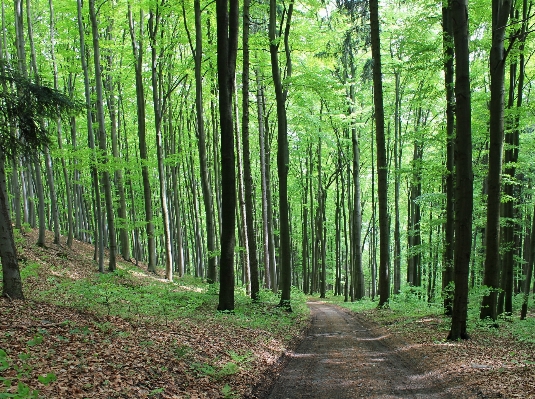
(132, 334)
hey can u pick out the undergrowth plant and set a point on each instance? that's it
(13, 374)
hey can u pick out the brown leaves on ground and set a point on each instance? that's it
(491, 364)
(99, 356)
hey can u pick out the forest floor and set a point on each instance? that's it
(110, 346)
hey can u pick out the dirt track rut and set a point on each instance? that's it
(343, 356)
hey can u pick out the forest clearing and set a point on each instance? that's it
(85, 336)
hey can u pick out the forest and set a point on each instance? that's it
(347, 147)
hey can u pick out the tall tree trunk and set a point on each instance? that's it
(397, 183)
(227, 47)
(124, 232)
(447, 274)
(36, 158)
(463, 166)
(248, 177)
(242, 211)
(159, 104)
(201, 143)
(500, 16)
(66, 177)
(98, 224)
(263, 178)
(102, 138)
(382, 172)
(137, 48)
(415, 239)
(356, 228)
(282, 151)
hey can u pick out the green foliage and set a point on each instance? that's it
(228, 393)
(23, 370)
(215, 372)
(156, 391)
(120, 293)
(22, 104)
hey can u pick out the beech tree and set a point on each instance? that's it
(227, 47)
(382, 189)
(463, 168)
(282, 142)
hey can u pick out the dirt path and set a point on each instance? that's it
(343, 356)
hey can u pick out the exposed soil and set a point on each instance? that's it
(344, 355)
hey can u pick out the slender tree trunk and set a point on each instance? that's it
(102, 138)
(154, 21)
(447, 273)
(414, 268)
(242, 211)
(500, 16)
(122, 220)
(66, 177)
(227, 47)
(248, 177)
(463, 166)
(397, 182)
(201, 143)
(282, 151)
(98, 224)
(263, 179)
(382, 172)
(356, 236)
(137, 48)
(48, 159)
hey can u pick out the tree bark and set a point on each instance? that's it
(98, 225)
(447, 274)
(102, 138)
(282, 151)
(158, 104)
(201, 144)
(227, 47)
(248, 177)
(500, 16)
(12, 282)
(463, 166)
(382, 172)
(137, 48)
(263, 179)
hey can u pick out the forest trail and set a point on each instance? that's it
(344, 356)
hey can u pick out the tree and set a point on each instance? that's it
(463, 167)
(106, 183)
(137, 49)
(283, 160)
(208, 201)
(248, 177)
(22, 105)
(447, 274)
(227, 47)
(382, 172)
(500, 16)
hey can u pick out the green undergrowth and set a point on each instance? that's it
(410, 310)
(131, 294)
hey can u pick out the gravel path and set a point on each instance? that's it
(343, 356)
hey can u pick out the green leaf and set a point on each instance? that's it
(47, 379)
